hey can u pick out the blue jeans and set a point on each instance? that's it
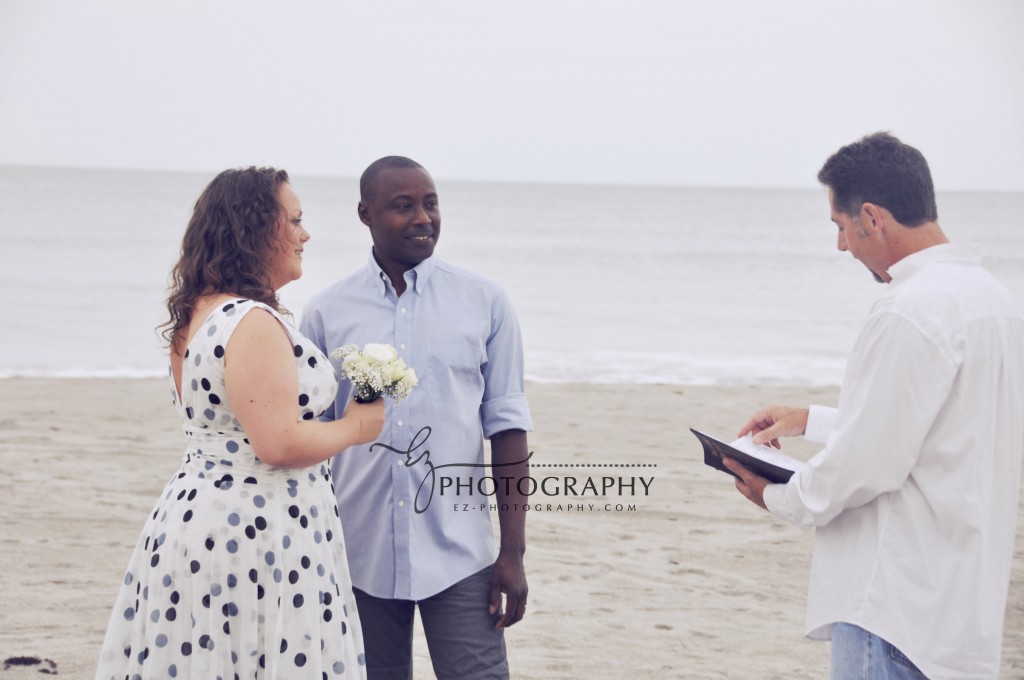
(860, 655)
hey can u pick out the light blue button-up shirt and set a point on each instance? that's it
(460, 334)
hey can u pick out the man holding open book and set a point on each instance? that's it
(915, 493)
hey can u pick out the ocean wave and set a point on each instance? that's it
(76, 373)
(677, 369)
(598, 367)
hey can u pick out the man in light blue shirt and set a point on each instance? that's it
(415, 505)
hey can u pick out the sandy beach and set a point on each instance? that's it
(692, 582)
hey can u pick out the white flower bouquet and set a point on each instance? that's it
(374, 371)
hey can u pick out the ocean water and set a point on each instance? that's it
(611, 283)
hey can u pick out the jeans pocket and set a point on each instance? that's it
(899, 658)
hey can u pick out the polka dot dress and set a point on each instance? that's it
(240, 571)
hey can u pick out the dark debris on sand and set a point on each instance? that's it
(48, 665)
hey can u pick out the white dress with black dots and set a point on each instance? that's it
(240, 571)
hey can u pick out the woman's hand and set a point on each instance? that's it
(367, 419)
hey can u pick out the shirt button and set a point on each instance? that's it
(403, 310)
(400, 423)
(401, 504)
(402, 346)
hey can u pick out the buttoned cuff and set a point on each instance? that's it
(776, 498)
(820, 421)
(773, 497)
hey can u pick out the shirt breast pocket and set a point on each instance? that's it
(454, 372)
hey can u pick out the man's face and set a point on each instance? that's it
(404, 218)
(857, 239)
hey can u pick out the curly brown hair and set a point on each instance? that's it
(227, 244)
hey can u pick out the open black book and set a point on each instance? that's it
(765, 461)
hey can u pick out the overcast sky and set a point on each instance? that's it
(706, 93)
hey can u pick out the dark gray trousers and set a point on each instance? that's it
(460, 633)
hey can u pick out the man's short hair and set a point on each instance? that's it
(368, 180)
(881, 169)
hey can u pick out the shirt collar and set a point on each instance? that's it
(418, 275)
(944, 252)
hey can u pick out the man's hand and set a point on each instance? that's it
(768, 424)
(509, 578)
(749, 484)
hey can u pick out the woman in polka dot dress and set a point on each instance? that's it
(240, 571)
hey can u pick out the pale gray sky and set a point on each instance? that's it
(697, 92)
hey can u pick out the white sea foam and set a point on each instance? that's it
(658, 368)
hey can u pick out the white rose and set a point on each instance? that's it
(380, 352)
(392, 371)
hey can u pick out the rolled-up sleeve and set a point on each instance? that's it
(504, 405)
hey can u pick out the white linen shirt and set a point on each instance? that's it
(915, 494)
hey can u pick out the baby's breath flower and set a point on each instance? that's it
(376, 370)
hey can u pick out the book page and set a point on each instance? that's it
(766, 453)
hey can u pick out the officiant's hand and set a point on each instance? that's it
(770, 423)
(750, 484)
